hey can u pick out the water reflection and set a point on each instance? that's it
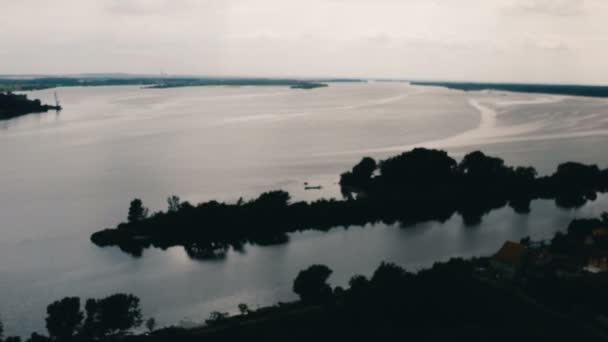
(31, 119)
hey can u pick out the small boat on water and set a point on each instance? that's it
(312, 187)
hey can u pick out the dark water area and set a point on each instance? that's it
(64, 176)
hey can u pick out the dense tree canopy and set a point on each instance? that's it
(311, 283)
(360, 176)
(415, 186)
(113, 315)
(137, 211)
(418, 167)
(13, 105)
(64, 318)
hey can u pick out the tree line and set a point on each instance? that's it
(415, 186)
(13, 105)
(109, 317)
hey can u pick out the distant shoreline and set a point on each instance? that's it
(12, 84)
(552, 89)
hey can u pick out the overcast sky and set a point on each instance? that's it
(499, 40)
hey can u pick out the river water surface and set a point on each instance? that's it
(65, 175)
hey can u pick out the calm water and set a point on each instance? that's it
(66, 175)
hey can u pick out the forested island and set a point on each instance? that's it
(158, 82)
(527, 291)
(554, 89)
(308, 85)
(415, 186)
(13, 105)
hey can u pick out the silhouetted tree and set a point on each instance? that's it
(358, 282)
(174, 203)
(480, 167)
(527, 174)
(64, 318)
(419, 167)
(604, 217)
(358, 285)
(272, 200)
(365, 168)
(1, 330)
(13, 339)
(578, 175)
(388, 275)
(113, 315)
(244, 309)
(361, 174)
(311, 283)
(151, 324)
(562, 243)
(92, 326)
(137, 211)
(35, 337)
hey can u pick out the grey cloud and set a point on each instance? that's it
(464, 39)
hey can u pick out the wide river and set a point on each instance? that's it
(65, 175)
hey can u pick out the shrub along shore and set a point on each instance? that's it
(548, 296)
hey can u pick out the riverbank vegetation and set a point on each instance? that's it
(458, 300)
(14, 105)
(554, 89)
(102, 319)
(415, 186)
(22, 84)
(308, 85)
(462, 300)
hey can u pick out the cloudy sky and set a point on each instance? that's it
(497, 40)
